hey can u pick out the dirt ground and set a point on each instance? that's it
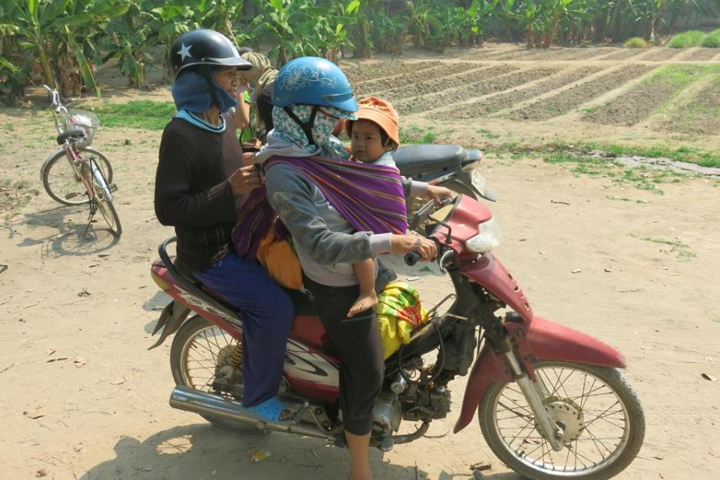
(82, 398)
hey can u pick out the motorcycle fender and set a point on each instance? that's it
(171, 318)
(546, 341)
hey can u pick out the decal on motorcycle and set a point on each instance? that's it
(196, 302)
(305, 365)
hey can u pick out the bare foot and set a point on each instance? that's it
(364, 302)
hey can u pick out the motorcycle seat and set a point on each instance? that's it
(418, 160)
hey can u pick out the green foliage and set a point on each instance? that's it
(711, 40)
(636, 42)
(145, 114)
(692, 38)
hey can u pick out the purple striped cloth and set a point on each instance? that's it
(370, 197)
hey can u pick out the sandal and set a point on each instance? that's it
(271, 410)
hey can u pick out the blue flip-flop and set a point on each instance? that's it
(269, 410)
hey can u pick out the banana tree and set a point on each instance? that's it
(56, 31)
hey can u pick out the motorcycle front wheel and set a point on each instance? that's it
(200, 352)
(601, 416)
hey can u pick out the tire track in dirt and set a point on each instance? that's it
(417, 78)
(569, 99)
(484, 85)
(361, 73)
(640, 101)
(507, 100)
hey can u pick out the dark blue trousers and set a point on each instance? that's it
(266, 312)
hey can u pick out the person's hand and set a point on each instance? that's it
(244, 180)
(414, 243)
(436, 194)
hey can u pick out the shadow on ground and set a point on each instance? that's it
(195, 452)
(72, 235)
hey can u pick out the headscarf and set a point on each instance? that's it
(190, 92)
(289, 140)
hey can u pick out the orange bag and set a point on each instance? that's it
(278, 257)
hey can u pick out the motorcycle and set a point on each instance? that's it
(550, 400)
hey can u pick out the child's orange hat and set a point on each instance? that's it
(380, 112)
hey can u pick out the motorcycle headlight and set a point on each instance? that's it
(487, 239)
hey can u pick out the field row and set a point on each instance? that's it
(620, 93)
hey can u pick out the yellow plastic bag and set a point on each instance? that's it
(278, 257)
(399, 311)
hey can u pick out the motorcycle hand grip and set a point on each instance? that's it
(412, 258)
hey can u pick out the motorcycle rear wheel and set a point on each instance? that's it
(196, 350)
(603, 421)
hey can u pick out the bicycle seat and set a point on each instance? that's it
(74, 133)
(419, 160)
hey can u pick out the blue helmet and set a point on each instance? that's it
(313, 81)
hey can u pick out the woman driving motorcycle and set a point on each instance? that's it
(200, 187)
(310, 95)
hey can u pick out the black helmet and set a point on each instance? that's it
(205, 47)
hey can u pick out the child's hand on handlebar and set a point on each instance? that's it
(436, 194)
(425, 247)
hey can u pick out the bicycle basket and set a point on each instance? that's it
(83, 120)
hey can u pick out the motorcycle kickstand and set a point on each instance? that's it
(552, 432)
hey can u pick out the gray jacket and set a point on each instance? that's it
(326, 244)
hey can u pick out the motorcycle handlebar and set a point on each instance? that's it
(412, 258)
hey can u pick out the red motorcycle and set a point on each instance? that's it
(550, 400)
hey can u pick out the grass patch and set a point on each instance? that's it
(691, 38)
(681, 154)
(415, 134)
(712, 39)
(679, 248)
(488, 133)
(642, 178)
(143, 114)
(636, 42)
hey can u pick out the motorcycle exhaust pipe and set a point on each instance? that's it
(213, 405)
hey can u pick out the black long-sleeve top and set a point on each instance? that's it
(192, 192)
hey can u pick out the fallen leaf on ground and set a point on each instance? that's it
(42, 473)
(259, 456)
(36, 414)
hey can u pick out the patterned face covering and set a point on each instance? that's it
(288, 130)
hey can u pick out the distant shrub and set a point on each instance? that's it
(688, 39)
(712, 39)
(636, 42)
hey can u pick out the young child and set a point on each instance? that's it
(373, 138)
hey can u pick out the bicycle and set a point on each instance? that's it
(77, 174)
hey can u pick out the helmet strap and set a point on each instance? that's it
(305, 126)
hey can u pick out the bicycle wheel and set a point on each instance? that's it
(63, 183)
(103, 200)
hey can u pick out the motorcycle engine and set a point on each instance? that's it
(423, 401)
(387, 415)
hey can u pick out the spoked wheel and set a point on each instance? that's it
(601, 416)
(63, 183)
(200, 359)
(104, 203)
